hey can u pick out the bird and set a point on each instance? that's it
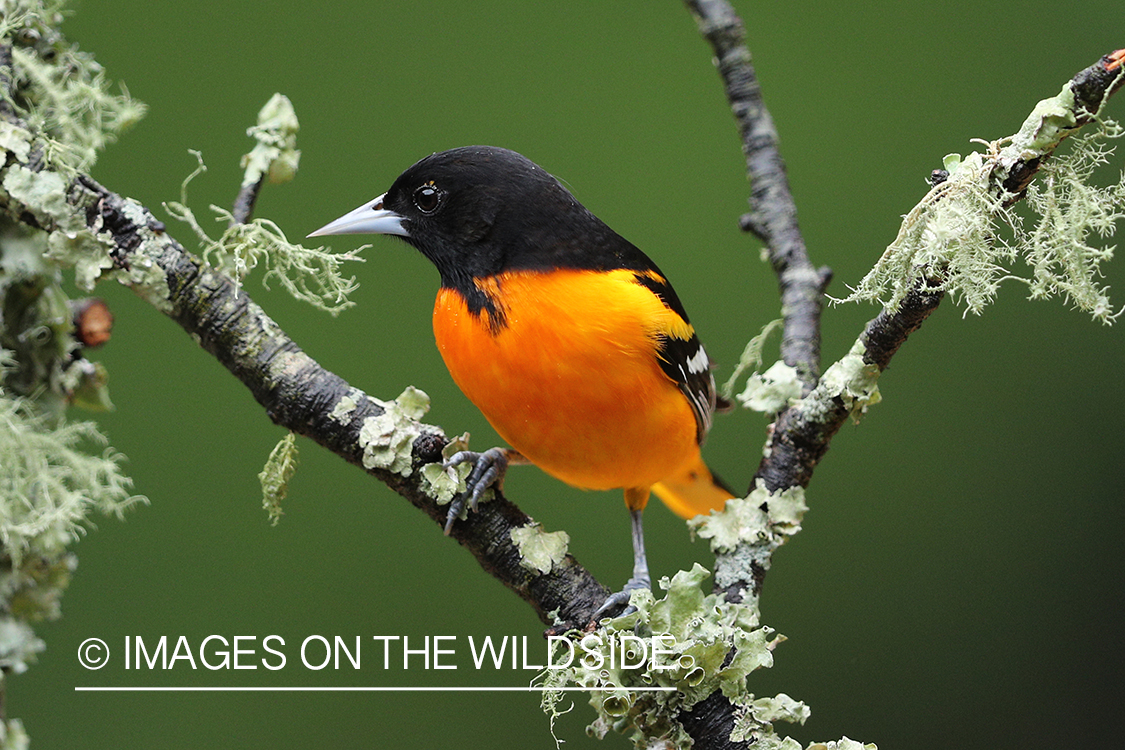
(566, 336)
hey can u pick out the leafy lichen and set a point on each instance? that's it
(445, 483)
(342, 411)
(276, 155)
(850, 379)
(771, 391)
(842, 744)
(761, 516)
(754, 720)
(387, 440)
(540, 550)
(703, 644)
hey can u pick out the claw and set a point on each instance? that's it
(488, 471)
(621, 599)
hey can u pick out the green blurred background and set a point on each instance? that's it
(959, 579)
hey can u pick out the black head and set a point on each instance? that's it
(480, 210)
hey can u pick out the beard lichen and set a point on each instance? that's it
(311, 275)
(964, 237)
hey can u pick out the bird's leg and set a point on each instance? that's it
(640, 578)
(488, 471)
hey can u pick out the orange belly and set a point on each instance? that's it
(572, 381)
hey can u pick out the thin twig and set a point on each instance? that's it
(244, 202)
(773, 214)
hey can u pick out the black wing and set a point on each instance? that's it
(683, 359)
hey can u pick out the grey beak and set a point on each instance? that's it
(370, 218)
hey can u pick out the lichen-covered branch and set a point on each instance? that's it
(384, 438)
(274, 157)
(802, 433)
(773, 213)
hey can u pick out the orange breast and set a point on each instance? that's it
(572, 381)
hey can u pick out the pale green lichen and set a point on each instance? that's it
(413, 402)
(32, 590)
(540, 550)
(311, 275)
(276, 155)
(440, 485)
(54, 474)
(850, 379)
(760, 517)
(388, 439)
(1050, 121)
(752, 358)
(274, 477)
(15, 140)
(842, 744)
(443, 484)
(70, 243)
(63, 95)
(754, 720)
(1070, 208)
(13, 736)
(706, 644)
(49, 483)
(950, 238)
(44, 195)
(963, 237)
(771, 391)
(86, 251)
(18, 645)
(342, 411)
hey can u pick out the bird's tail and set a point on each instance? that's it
(693, 490)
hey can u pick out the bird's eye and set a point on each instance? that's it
(427, 198)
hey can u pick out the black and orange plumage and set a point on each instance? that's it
(567, 337)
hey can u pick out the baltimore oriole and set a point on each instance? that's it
(570, 341)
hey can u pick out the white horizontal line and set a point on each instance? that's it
(359, 689)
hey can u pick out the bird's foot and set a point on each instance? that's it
(620, 599)
(488, 471)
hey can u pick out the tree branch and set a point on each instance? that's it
(300, 395)
(244, 202)
(773, 214)
(802, 433)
